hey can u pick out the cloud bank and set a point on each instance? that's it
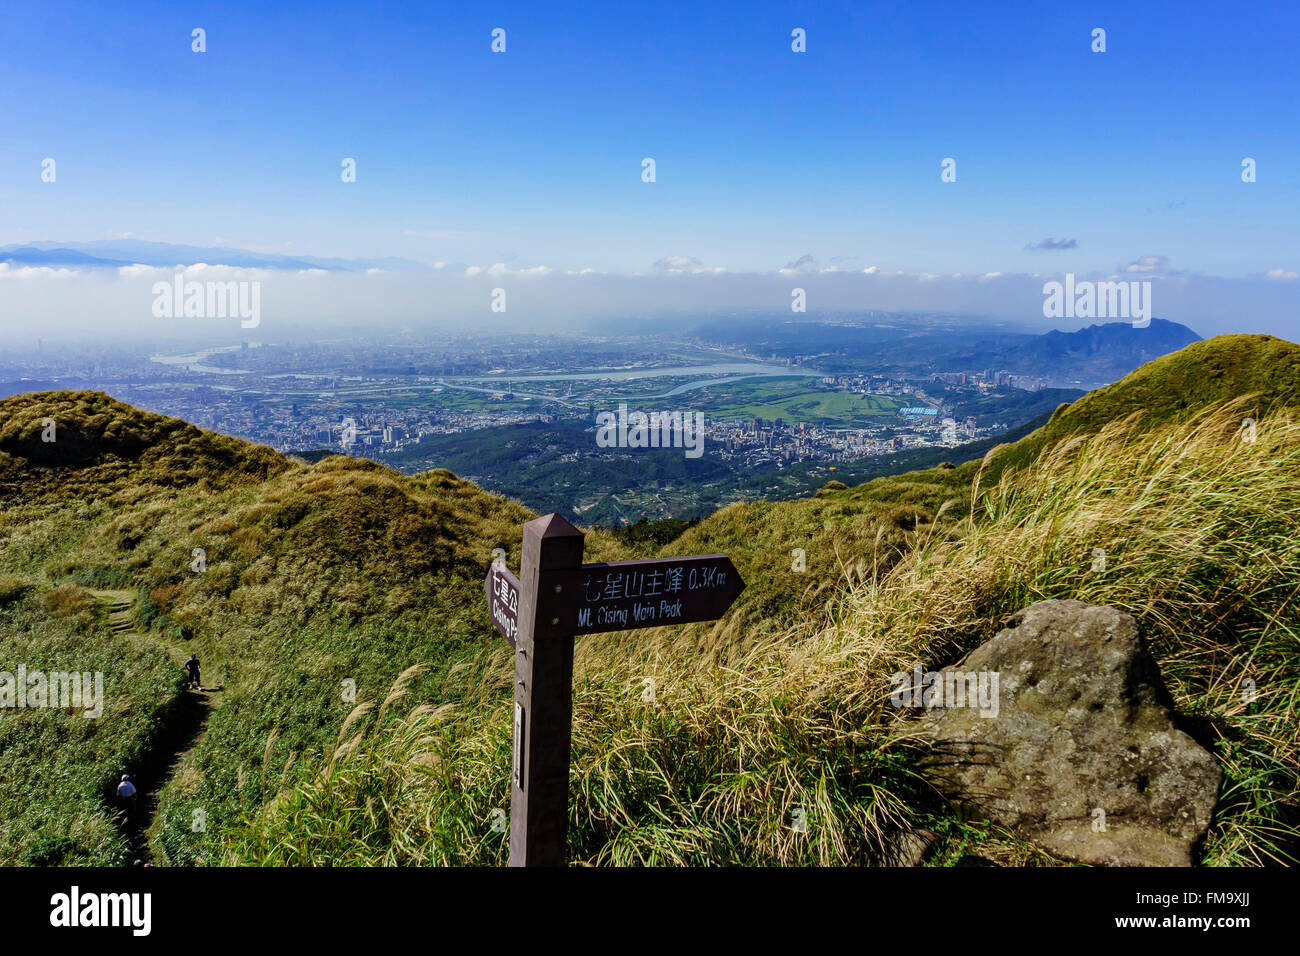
(104, 304)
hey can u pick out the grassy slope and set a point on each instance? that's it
(838, 527)
(60, 767)
(1173, 386)
(347, 570)
(342, 570)
(1202, 532)
(106, 461)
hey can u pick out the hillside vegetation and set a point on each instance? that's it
(1202, 533)
(343, 576)
(321, 584)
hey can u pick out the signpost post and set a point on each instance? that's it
(555, 598)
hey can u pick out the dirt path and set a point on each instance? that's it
(186, 722)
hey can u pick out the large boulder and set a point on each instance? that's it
(1077, 750)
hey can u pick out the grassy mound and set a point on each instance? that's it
(696, 744)
(86, 444)
(317, 582)
(1202, 535)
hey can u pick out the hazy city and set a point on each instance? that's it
(389, 400)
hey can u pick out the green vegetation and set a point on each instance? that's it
(554, 467)
(648, 537)
(61, 766)
(794, 399)
(344, 574)
(342, 571)
(1006, 404)
(1202, 529)
(1214, 370)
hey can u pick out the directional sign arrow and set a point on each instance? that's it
(625, 594)
(502, 589)
(559, 598)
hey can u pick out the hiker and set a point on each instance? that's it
(192, 668)
(126, 795)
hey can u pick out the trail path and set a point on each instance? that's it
(185, 727)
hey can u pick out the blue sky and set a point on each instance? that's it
(533, 157)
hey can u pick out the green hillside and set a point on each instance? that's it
(850, 532)
(315, 575)
(1202, 533)
(1175, 385)
(320, 579)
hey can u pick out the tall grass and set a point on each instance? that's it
(60, 767)
(1201, 534)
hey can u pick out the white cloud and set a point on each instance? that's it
(498, 269)
(9, 271)
(1147, 264)
(117, 302)
(676, 264)
(204, 271)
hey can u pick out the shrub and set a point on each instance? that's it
(13, 587)
(55, 849)
(68, 600)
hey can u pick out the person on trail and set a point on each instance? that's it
(126, 793)
(192, 668)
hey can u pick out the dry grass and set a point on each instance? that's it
(1202, 538)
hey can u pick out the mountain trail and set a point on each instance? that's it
(187, 722)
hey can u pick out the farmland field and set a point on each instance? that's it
(795, 399)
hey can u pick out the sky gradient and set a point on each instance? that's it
(765, 157)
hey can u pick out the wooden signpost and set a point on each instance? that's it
(503, 600)
(555, 598)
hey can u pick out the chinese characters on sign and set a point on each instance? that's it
(502, 589)
(561, 598)
(627, 594)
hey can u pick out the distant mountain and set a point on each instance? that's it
(113, 253)
(61, 258)
(1086, 358)
(1099, 353)
(1171, 387)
